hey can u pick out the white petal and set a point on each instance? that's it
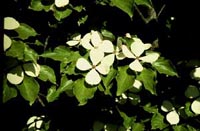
(108, 60)
(32, 69)
(6, 42)
(147, 46)
(136, 66)
(137, 47)
(93, 77)
(150, 57)
(196, 73)
(72, 42)
(61, 3)
(107, 46)
(31, 120)
(85, 41)
(96, 56)
(195, 106)
(173, 117)
(15, 76)
(10, 23)
(96, 38)
(137, 84)
(38, 123)
(103, 69)
(127, 52)
(83, 64)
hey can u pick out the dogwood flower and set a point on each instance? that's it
(137, 49)
(98, 66)
(78, 40)
(97, 42)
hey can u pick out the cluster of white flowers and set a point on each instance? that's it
(102, 54)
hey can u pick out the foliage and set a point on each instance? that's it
(74, 51)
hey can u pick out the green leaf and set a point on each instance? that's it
(82, 92)
(150, 109)
(52, 94)
(143, 2)
(16, 50)
(59, 15)
(157, 121)
(60, 53)
(98, 126)
(82, 20)
(179, 128)
(147, 77)
(138, 127)
(37, 5)
(47, 73)
(30, 54)
(124, 79)
(128, 121)
(25, 31)
(107, 80)
(164, 66)
(125, 5)
(8, 92)
(29, 89)
(107, 34)
(65, 84)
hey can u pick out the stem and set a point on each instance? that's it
(140, 13)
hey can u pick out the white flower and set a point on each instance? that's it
(35, 122)
(173, 117)
(99, 65)
(97, 42)
(61, 3)
(137, 49)
(77, 40)
(195, 106)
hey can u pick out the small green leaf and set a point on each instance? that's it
(192, 92)
(124, 79)
(128, 121)
(65, 84)
(143, 2)
(138, 127)
(108, 35)
(25, 31)
(147, 77)
(37, 5)
(52, 94)
(179, 128)
(82, 20)
(125, 5)
(59, 15)
(164, 66)
(30, 54)
(8, 92)
(29, 89)
(157, 121)
(108, 79)
(60, 53)
(47, 73)
(16, 50)
(82, 92)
